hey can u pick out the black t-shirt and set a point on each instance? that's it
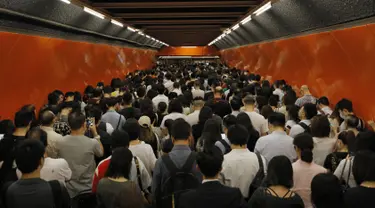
(360, 197)
(263, 199)
(333, 160)
(220, 107)
(130, 112)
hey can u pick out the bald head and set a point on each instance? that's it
(305, 90)
(47, 118)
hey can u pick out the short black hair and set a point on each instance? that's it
(119, 138)
(235, 104)
(364, 166)
(305, 143)
(46, 117)
(229, 121)
(293, 112)
(7, 127)
(210, 161)
(352, 121)
(97, 92)
(326, 191)
(205, 114)
(348, 138)
(279, 172)
(141, 92)
(181, 130)
(23, 118)
(76, 120)
(175, 106)
(345, 104)
(133, 129)
(323, 100)
(277, 119)
(120, 164)
(266, 111)
(28, 155)
(69, 94)
(160, 88)
(176, 85)
(238, 135)
(107, 89)
(112, 101)
(162, 107)
(365, 141)
(38, 134)
(310, 110)
(273, 100)
(53, 98)
(320, 126)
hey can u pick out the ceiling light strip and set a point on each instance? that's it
(263, 8)
(65, 1)
(117, 23)
(95, 13)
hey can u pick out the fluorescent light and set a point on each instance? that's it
(153, 39)
(117, 23)
(66, 1)
(188, 46)
(236, 27)
(263, 8)
(147, 36)
(246, 20)
(141, 33)
(228, 31)
(131, 29)
(95, 13)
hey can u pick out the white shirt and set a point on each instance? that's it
(193, 118)
(279, 92)
(235, 113)
(172, 116)
(55, 169)
(343, 173)
(239, 169)
(52, 139)
(197, 93)
(290, 124)
(322, 148)
(259, 122)
(169, 85)
(177, 91)
(160, 98)
(145, 153)
(274, 144)
(109, 128)
(297, 129)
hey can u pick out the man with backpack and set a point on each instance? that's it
(32, 191)
(306, 113)
(176, 172)
(224, 143)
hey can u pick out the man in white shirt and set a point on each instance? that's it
(240, 166)
(259, 122)
(53, 169)
(168, 84)
(235, 104)
(175, 111)
(224, 143)
(278, 91)
(196, 91)
(193, 117)
(323, 106)
(176, 88)
(306, 113)
(160, 97)
(47, 119)
(277, 142)
(139, 148)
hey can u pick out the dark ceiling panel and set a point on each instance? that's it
(178, 22)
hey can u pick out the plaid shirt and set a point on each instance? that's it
(61, 126)
(305, 99)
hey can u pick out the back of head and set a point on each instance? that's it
(273, 100)
(162, 107)
(6, 127)
(181, 130)
(235, 104)
(279, 172)
(38, 134)
(266, 111)
(229, 121)
(326, 191)
(347, 138)
(292, 111)
(277, 119)
(305, 89)
(141, 92)
(352, 122)
(23, 118)
(53, 98)
(127, 98)
(120, 163)
(345, 104)
(365, 141)
(119, 138)
(323, 101)
(289, 98)
(46, 118)
(160, 89)
(320, 126)
(304, 142)
(175, 106)
(29, 155)
(205, 114)
(249, 100)
(133, 129)
(76, 120)
(364, 166)
(238, 135)
(210, 161)
(244, 120)
(310, 110)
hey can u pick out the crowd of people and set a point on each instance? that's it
(188, 136)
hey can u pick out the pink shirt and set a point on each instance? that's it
(303, 173)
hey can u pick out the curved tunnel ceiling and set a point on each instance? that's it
(178, 22)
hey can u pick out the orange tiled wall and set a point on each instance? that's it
(33, 66)
(181, 51)
(336, 64)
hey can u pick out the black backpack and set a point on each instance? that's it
(305, 127)
(226, 146)
(178, 182)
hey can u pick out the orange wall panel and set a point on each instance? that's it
(33, 66)
(183, 51)
(335, 64)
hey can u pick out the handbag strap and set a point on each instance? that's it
(343, 169)
(138, 173)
